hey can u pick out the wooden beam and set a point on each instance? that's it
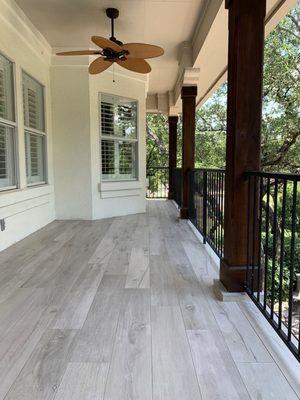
(188, 96)
(244, 109)
(173, 120)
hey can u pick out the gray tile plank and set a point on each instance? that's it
(138, 271)
(83, 381)
(266, 382)
(130, 370)
(217, 374)
(20, 333)
(42, 374)
(174, 376)
(94, 342)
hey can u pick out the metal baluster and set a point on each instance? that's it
(222, 208)
(274, 248)
(259, 238)
(281, 254)
(254, 214)
(248, 231)
(267, 246)
(204, 206)
(292, 256)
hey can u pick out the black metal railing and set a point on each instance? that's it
(273, 266)
(206, 208)
(177, 179)
(158, 182)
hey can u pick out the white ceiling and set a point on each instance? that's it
(167, 23)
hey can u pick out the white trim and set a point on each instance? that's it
(14, 127)
(8, 122)
(21, 25)
(33, 184)
(34, 131)
(7, 188)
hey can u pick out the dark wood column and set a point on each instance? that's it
(173, 120)
(188, 96)
(245, 76)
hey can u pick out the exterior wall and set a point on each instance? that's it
(118, 198)
(74, 189)
(79, 192)
(72, 142)
(25, 209)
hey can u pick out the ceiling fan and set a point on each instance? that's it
(130, 55)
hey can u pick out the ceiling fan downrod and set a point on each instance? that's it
(112, 14)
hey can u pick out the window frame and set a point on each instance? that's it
(32, 131)
(14, 126)
(116, 139)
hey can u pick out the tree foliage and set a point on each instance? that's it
(280, 147)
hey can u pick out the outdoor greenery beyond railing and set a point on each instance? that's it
(206, 208)
(158, 185)
(273, 267)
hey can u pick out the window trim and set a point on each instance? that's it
(116, 138)
(36, 132)
(14, 125)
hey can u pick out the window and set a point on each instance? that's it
(35, 136)
(7, 126)
(119, 139)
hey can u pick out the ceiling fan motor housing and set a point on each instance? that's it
(112, 13)
(113, 55)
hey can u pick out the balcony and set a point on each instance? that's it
(191, 294)
(124, 308)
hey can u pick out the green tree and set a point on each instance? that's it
(280, 149)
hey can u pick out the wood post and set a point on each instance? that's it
(244, 109)
(188, 96)
(173, 120)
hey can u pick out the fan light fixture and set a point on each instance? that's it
(130, 55)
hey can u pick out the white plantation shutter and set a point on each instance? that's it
(3, 104)
(34, 144)
(7, 126)
(35, 137)
(119, 142)
(32, 109)
(33, 101)
(127, 158)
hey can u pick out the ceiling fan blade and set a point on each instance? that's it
(106, 43)
(142, 50)
(79, 53)
(99, 65)
(136, 65)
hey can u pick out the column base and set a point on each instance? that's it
(233, 277)
(223, 295)
(184, 213)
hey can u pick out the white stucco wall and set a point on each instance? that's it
(79, 192)
(26, 209)
(72, 142)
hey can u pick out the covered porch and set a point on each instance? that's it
(123, 308)
(105, 294)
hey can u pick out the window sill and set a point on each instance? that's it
(36, 184)
(107, 186)
(17, 195)
(7, 189)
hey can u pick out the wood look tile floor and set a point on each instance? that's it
(122, 309)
